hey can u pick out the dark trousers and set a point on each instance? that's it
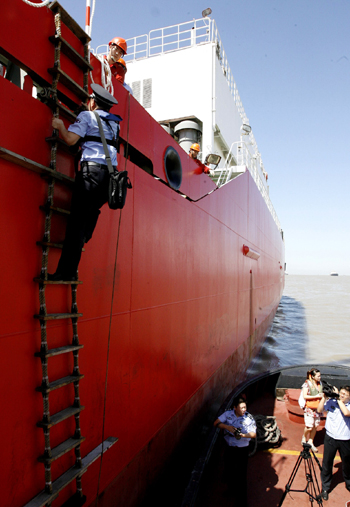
(331, 446)
(236, 466)
(90, 193)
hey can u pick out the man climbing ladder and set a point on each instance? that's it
(91, 185)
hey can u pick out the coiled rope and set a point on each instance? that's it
(106, 75)
(267, 431)
(32, 4)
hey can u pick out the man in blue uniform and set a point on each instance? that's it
(91, 185)
(236, 451)
(337, 437)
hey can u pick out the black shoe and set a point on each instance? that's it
(324, 494)
(58, 277)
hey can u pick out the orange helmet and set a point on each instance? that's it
(195, 147)
(122, 63)
(120, 43)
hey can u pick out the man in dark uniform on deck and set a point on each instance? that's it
(236, 450)
(91, 184)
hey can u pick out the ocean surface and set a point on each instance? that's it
(312, 324)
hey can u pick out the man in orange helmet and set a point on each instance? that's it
(194, 150)
(117, 48)
(121, 70)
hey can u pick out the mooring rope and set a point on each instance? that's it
(106, 75)
(267, 431)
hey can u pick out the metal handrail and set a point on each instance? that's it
(240, 152)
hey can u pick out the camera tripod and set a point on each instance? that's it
(312, 489)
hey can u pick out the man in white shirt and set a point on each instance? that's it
(337, 437)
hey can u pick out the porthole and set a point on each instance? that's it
(173, 168)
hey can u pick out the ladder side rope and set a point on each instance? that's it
(77, 434)
(43, 275)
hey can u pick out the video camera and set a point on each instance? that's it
(237, 433)
(328, 390)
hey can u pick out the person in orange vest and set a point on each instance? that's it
(117, 48)
(194, 150)
(121, 70)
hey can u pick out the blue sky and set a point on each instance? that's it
(291, 62)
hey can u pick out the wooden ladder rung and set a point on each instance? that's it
(59, 484)
(58, 316)
(70, 52)
(50, 244)
(69, 83)
(60, 143)
(60, 416)
(70, 22)
(34, 166)
(56, 384)
(61, 449)
(59, 350)
(55, 209)
(53, 245)
(59, 282)
(70, 115)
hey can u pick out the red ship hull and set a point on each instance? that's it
(172, 335)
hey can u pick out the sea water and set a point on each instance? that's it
(312, 324)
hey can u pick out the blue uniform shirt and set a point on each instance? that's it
(337, 425)
(245, 423)
(127, 87)
(86, 125)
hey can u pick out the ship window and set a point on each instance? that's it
(136, 90)
(147, 93)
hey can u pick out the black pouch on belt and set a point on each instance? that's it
(118, 181)
(117, 189)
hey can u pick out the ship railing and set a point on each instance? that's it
(247, 157)
(184, 35)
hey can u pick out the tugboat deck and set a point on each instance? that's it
(269, 470)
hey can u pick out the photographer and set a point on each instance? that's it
(337, 435)
(239, 427)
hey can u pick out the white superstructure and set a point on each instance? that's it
(180, 75)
